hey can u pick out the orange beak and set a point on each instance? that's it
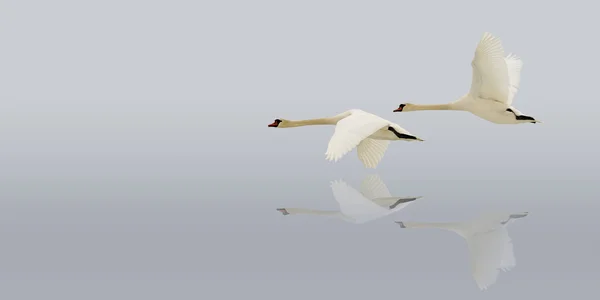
(274, 124)
(398, 109)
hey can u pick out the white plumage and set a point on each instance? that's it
(374, 201)
(490, 247)
(495, 82)
(355, 128)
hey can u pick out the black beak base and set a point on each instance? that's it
(400, 108)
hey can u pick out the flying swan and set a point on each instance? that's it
(490, 247)
(493, 87)
(374, 201)
(367, 132)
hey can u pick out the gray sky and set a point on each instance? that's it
(152, 113)
(143, 80)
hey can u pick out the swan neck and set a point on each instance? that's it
(320, 121)
(447, 106)
(446, 226)
(306, 211)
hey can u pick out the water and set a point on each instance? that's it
(180, 237)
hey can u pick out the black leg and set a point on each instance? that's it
(527, 118)
(521, 117)
(401, 135)
(400, 201)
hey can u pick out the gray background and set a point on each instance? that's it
(136, 161)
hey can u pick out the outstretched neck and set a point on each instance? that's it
(305, 211)
(415, 107)
(320, 121)
(447, 226)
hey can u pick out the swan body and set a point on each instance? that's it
(490, 247)
(495, 82)
(373, 202)
(355, 128)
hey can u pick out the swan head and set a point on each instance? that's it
(276, 123)
(415, 107)
(400, 107)
(405, 107)
(283, 211)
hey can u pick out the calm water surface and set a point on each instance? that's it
(224, 238)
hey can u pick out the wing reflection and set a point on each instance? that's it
(490, 247)
(373, 202)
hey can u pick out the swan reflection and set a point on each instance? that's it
(490, 247)
(374, 201)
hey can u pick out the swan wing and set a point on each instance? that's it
(490, 74)
(486, 251)
(514, 65)
(352, 130)
(373, 187)
(394, 203)
(508, 258)
(494, 225)
(354, 204)
(371, 151)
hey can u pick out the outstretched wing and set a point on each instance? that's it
(487, 251)
(490, 73)
(375, 190)
(508, 260)
(373, 187)
(352, 130)
(354, 204)
(371, 151)
(514, 65)
(508, 257)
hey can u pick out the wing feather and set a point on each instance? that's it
(491, 252)
(350, 131)
(490, 73)
(371, 151)
(514, 65)
(353, 204)
(373, 187)
(508, 257)
(486, 253)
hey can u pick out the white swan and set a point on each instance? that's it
(494, 84)
(373, 202)
(490, 247)
(367, 132)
